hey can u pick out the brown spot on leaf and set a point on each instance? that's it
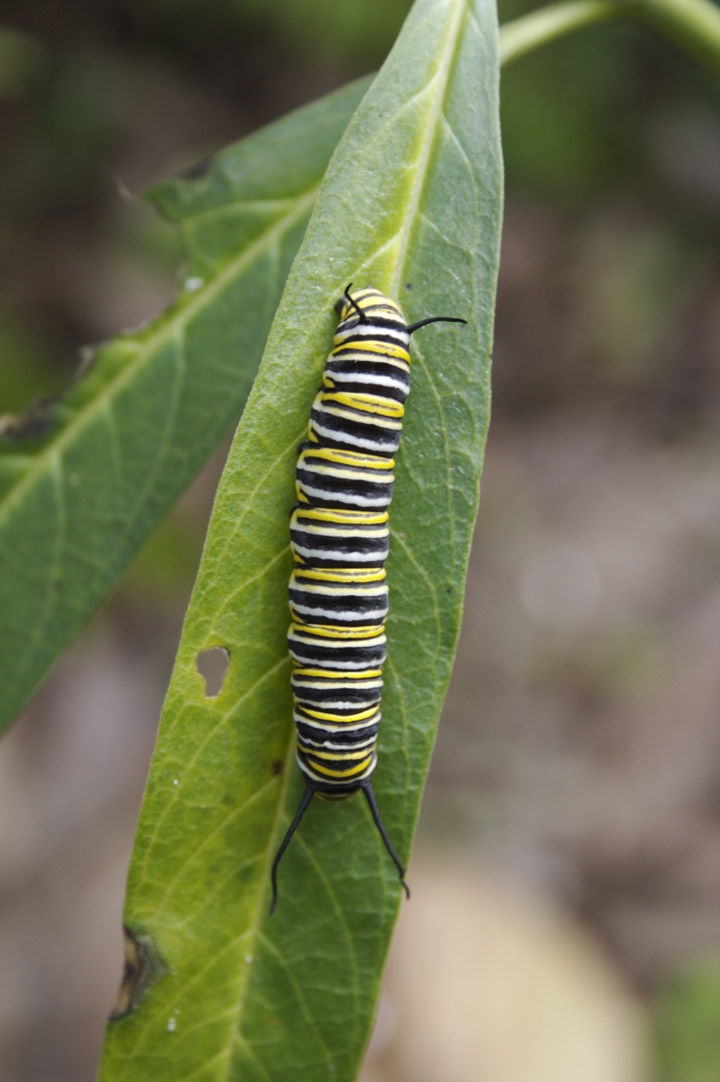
(34, 422)
(142, 968)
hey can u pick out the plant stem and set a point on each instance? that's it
(692, 24)
(521, 36)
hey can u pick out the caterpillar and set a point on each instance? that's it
(339, 537)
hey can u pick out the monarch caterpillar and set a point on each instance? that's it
(339, 537)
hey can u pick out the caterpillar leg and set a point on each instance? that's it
(372, 804)
(302, 808)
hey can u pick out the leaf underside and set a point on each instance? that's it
(411, 204)
(84, 480)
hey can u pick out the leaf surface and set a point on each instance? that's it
(84, 480)
(411, 204)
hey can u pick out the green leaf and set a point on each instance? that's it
(84, 480)
(411, 204)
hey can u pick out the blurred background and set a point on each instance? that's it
(575, 789)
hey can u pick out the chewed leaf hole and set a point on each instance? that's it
(212, 665)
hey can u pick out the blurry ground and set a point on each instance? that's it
(577, 772)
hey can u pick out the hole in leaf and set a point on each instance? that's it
(212, 665)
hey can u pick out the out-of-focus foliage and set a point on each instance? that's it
(609, 138)
(358, 32)
(572, 142)
(579, 116)
(21, 59)
(688, 1025)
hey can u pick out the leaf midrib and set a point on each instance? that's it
(447, 54)
(193, 306)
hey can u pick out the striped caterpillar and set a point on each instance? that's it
(339, 537)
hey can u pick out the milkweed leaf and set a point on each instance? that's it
(411, 204)
(86, 478)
